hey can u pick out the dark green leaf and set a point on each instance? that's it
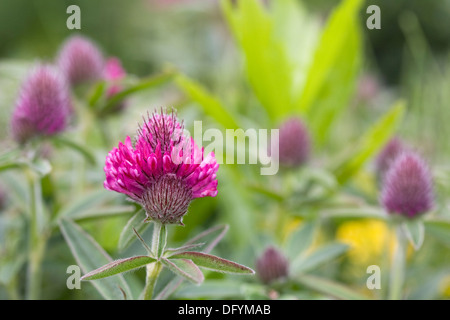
(184, 268)
(213, 263)
(118, 266)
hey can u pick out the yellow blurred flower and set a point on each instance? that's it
(445, 287)
(368, 240)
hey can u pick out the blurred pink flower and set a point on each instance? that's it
(387, 155)
(43, 106)
(407, 189)
(80, 60)
(164, 171)
(113, 74)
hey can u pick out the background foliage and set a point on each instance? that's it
(237, 64)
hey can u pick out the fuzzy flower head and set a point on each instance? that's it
(294, 143)
(385, 158)
(272, 265)
(80, 60)
(43, 106)
(407, 188)
(163, 171)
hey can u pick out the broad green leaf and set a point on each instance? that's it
(440, 229)
(85, 202)
(332, 74)
(184, 268)
(267, 65)
(210, 104)
(213, 263)
(318, 257)
(370, 143)
(89, 255)
(415, 232)
(127, 235)
(300, 240)
(118, 266)
(330, 288)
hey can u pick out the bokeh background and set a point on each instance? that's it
(408, 58)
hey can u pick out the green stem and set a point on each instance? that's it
(154, 269)
(398, 266)
(37, 240)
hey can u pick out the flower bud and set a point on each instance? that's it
(272, 265)
(407, 188)
(294, 143)
(43, 106)
(80, 60)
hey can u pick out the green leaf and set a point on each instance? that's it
(415, 232)
(127, 235)
(210, 104)
(213, 263)
(330, 288)
(267, 65)
(318, 257)
(85, 203)
(300, 240)
(370, 143)
(211, 237)
(143, 84)
(89, 255)
(185, 268)
(332, 74)
(118, 266)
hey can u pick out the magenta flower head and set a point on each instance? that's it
(294, 143)
(391, 150)
(80, 60)
(43, 106)
(164, 170)
(272, 265)
(407, 188)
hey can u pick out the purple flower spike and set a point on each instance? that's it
(164, 171)
(80, 60)
(43, 106)
(294, 143)
(272, 266)
(407, 189)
